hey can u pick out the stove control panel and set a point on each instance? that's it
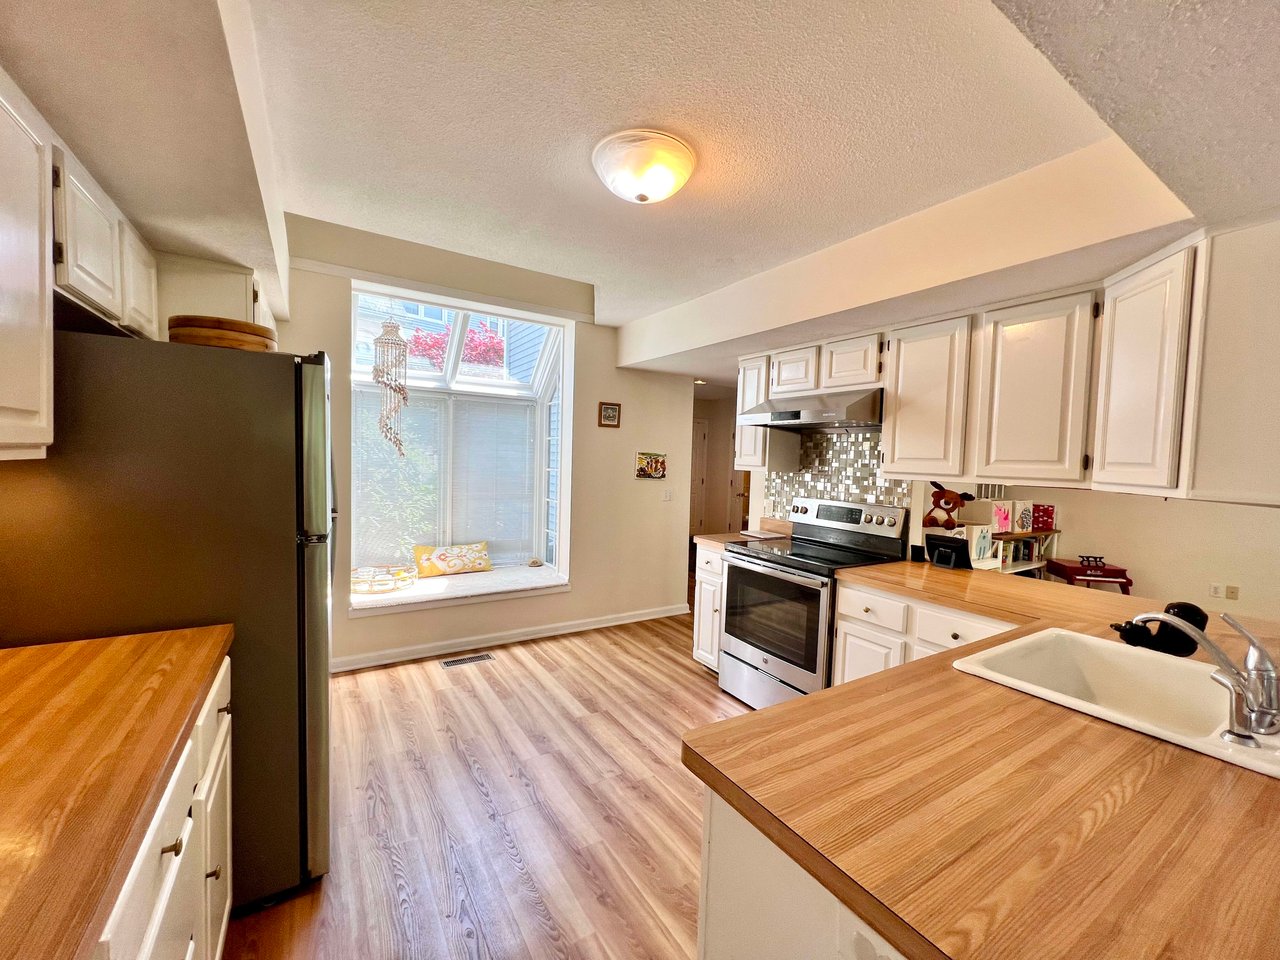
(871, 518)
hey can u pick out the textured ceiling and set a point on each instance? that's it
(1192, 87)
(470, 126)
(147, 101)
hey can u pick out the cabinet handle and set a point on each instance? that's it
(215, 873)
(175, 848)
(866, 609)
(955, 636)
(226, 709)
(715, 609)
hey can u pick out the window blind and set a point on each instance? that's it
(493, 492)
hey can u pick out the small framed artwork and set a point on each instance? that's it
(610, 414)
(651, 466)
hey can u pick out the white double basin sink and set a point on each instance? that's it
(1154, 693)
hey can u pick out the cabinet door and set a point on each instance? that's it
(850, 363)
(213, 803)
(1032, 390)
(753, 376)
(795, 371)
(1141, 374)
(178, 920)
(707, 620)
(918, 649)
(862, 654)
(26, 299)
(87, 225)
(141, 311)
(926, 377)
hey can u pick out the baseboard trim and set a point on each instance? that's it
(382, 658)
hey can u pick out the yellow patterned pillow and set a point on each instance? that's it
(443, 561)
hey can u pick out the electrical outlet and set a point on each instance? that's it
(1224, 591)
(1232, 592)
(1216, 591)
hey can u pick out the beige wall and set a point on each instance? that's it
(628, 555)
(1175, 548)
(721, 416)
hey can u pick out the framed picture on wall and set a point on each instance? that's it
(651, 466)
(610, 414)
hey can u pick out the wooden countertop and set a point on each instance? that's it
(716, 541)
(90, 733)
(965, 820)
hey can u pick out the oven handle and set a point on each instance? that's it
(803, 579)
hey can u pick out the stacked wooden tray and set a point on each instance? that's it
(221, 332)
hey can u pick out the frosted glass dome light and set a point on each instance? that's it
(643, 166)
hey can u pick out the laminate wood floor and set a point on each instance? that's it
(530, 807)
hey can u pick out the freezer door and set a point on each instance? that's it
(316, 582)
(317, 487)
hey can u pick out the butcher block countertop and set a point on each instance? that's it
(716, 541)
(90, 733)
(965, 820)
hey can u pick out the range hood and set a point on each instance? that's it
(857, 409)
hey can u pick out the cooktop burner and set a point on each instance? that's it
(810, 555)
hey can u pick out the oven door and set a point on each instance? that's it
(778, 621)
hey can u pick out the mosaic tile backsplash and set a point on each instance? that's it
(837, 466)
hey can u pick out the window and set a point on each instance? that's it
(482, 432)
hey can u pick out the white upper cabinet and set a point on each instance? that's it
(26, 296)
(1032, 389)
(1141, 375)
(850, 363)
(925, 378)
(753, 378)
(86, 226)
(794, 372)
(141, 312)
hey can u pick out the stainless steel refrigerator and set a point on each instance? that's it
(189, 486)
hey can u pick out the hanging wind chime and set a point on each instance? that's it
(390, 369)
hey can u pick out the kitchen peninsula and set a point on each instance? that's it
(115, 820)
(924, 813)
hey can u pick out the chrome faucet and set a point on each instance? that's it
(1255, 694)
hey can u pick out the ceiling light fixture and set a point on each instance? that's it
(701, 383)
(643, 166)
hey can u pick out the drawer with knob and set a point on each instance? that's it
(709, 562)
(166, 843)
(873, 608)
(948, 628)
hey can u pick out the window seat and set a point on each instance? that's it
(499, 584)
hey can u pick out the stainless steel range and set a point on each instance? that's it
(779, 608)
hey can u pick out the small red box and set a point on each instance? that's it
(1043, 516)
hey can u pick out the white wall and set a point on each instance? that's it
(721, 417)
(1174, 548)
(1087, 197)
(628, 555)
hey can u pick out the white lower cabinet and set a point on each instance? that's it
(708, 616)
(175, 900)
(876, 630)
(759, 904)
(860, 653)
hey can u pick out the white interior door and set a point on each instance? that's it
(1032, 389)
(698, 478)
(926, 377)
(1141, 375)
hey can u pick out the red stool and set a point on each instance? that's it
(1075, 573)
